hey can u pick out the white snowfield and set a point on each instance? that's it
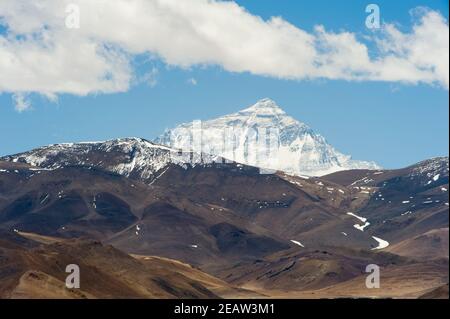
(361, 227)
(297, 243)
(296, 149)
(381, 243)
(359, 217)
(363, 219)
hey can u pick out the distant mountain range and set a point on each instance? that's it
(243, 233)
(294, 147)
(243, 137)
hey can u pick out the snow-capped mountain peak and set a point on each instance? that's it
(431, 171)
(264, 107)
(263, 135)
(130, 157)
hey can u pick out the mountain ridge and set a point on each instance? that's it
(263, 135)
(228, 219)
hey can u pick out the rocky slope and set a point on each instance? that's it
(231, 221)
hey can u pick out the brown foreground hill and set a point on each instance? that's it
(33, 266)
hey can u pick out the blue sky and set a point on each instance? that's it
(392, 123)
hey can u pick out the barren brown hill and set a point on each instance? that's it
(437, 293)
(431, 245)
(105, 272)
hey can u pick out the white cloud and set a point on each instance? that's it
(21, 102)
(192, 81)
(150, 77)
(421, 56)
(39, 54)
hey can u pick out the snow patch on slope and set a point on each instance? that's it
(381, 243)
(297, 243)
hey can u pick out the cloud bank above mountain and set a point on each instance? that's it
(39, 54)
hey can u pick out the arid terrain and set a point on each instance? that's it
(217, 230)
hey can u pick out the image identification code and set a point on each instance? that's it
(226, 308)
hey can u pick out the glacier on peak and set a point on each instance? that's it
(263, 135)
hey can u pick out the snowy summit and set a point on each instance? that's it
(299, 151)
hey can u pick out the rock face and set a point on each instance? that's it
(263, 135)
(129, 157)
(133, 157)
